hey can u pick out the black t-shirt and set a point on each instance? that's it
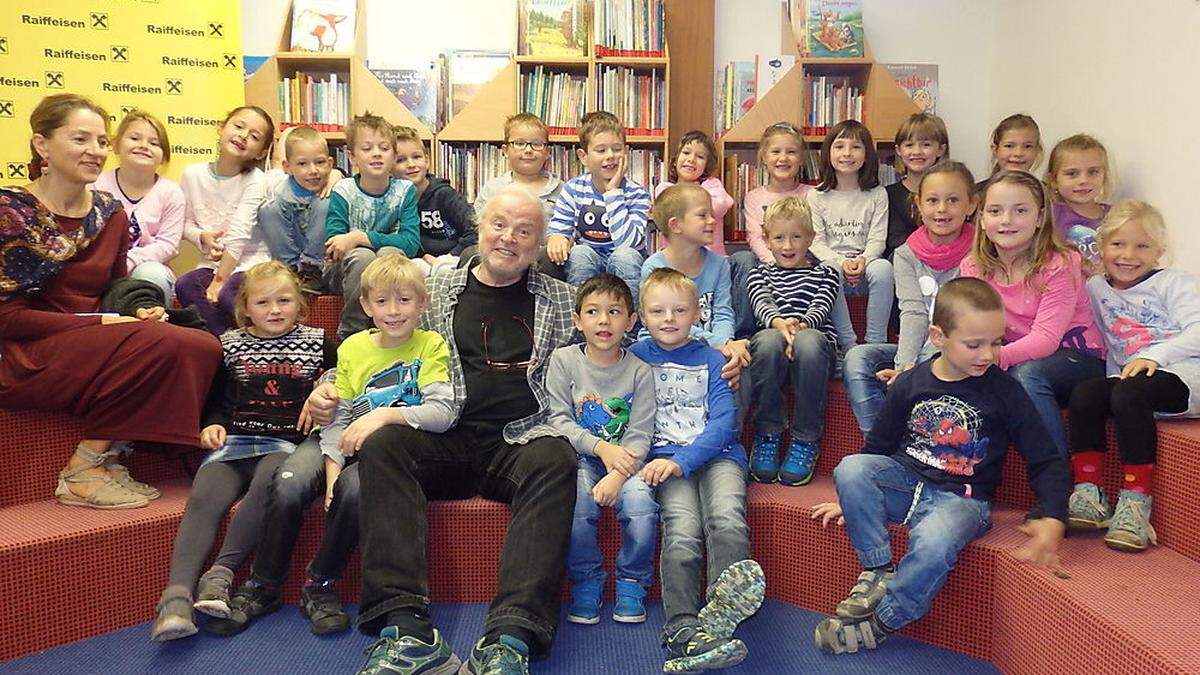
(493, 327)
(901, 221)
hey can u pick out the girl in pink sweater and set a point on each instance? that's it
(1051, 341)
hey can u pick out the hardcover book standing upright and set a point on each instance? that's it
(920, 81)
(554, 27)
(323, 25)
(828, 29)
(466, 72)
(417, 86)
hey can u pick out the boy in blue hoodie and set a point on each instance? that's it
(699, 471)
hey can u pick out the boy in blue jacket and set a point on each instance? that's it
(699, 471)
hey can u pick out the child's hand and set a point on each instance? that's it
(214, 290)
(212, 437)
(341, 244)
(889, 375)
(328, 496)
(151, 314)
(853, 269)
(616, 458)
(557, 248)
(657, 471)
(827, 511)
(784, 326)
(738, 353)
(211, 246)
(334, 176)
(1138, 366)
(359, 430)
(606, 489)
(319, 408)
(1041, 550)
(431, 259)
(614, 183)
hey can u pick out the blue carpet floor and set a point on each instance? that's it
(779, 638)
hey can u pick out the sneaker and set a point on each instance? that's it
(323, 608)
(860, 604)
(392, 653)
(248, 603)
(585, 603)
(174, 620)
(845, 636)
(734, 597)
(798, 464)
(1088, 507)
(212, 592)
(310, 279)
(631, 602)
(692, 649)
(764, 458)
(508, 656)
(1130, 529)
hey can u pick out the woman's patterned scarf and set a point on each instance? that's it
(33, 246)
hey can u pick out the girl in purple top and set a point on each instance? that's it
(1078, 178)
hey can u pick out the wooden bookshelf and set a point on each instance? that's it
(367, 93)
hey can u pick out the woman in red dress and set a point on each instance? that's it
(127, 378)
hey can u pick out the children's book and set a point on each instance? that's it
(554, 27)
(920, 81)
(417, 86)
(466, 72)
(770, 70)
(744, 88)
(323, 25)
(828, 29)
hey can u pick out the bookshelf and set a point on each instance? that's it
(885, 106)
(366, 92)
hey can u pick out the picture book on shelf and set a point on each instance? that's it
(554, 27)
(919, 81)
(827, 29)
(771, 69)
(467, 70)
(417, 86)
(323, 25)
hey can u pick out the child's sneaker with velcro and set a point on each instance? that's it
(323, 608)
(734, 597)
(585, 602)
(1130, 529)
(1088, 508)
(866, 593)
(846, 636)
(212, 592)
(799, 462)
(631, 602)
(764, 458)
(692, 649)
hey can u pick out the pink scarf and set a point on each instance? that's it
(941, 257)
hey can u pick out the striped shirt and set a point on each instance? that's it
(805, 293)
(603, 221)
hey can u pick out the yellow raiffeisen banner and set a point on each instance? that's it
(178, 59)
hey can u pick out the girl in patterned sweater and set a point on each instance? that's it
(253, 421)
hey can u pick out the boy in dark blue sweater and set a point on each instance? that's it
(932, 461)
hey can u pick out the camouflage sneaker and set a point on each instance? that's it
(865, 595)
(1130, 529)
(692, 649)
(407, 655)
(734, 597)
(1088, 508)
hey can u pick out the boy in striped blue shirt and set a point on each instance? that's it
(792, 300)
(599, 222)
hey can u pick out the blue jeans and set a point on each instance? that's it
(704, 513)
(585, 262)
(1049, 383)
(740, 264)
(880, 288)
(637, 512)
(875, 490)
(294, 227)
(158, 274)
(809, 369)
(864, 390)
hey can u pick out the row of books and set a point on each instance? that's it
(314, 98)
(828, 101)
(559, 98)
(637, 97)
(744, 83)
(630, 28)
(553, 27)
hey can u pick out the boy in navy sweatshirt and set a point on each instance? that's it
(447, 221)
(699, 471)
(932, 461)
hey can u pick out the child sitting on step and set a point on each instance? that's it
(1150, 319)
(932, 461)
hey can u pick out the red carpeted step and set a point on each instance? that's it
(324, 311)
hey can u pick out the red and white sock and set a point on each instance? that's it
(1087, 465)
(1138, 477)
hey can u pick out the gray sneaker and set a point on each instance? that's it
(846, 636)
(393, 653)
(1130, 529)
(212, 592)
(174, 620)
(1088, 508)
(735, 597)
(865, 595)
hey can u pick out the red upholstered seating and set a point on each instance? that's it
(1118, 613)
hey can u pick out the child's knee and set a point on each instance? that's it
(857, 469)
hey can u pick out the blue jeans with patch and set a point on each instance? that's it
(293, 227)
(585, 262)
(1049, 383)
(637, 513)
(864, 390)
(876, 489)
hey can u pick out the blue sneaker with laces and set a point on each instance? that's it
(393, 653)
(507, 656)
(631, 603)
(798, 464)
(585, 603)
(764, 458)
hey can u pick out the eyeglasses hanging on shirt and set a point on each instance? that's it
(511, 335)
